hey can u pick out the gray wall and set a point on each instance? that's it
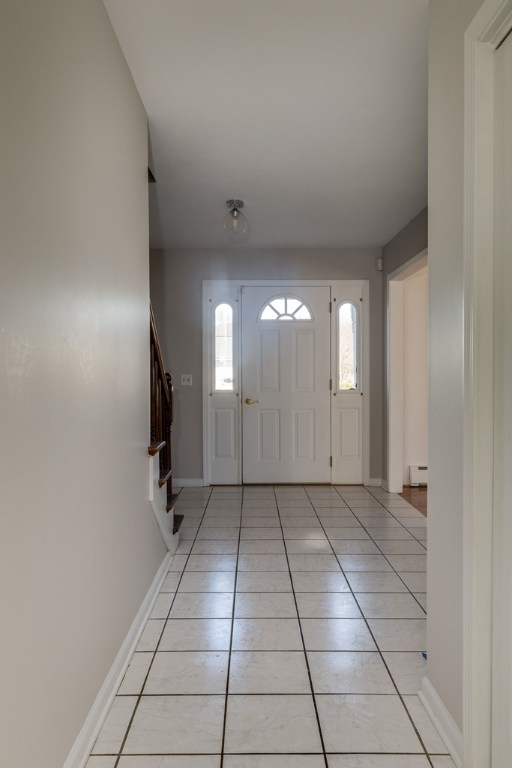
(409, 242)
(79, 545)
(176, 293)
(447, 22)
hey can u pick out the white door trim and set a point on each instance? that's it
(491, 24)
(232, 288)
(395, 368)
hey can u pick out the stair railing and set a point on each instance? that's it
(161, 412)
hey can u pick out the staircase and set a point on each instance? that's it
(160, 476)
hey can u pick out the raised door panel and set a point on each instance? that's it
(269, 361)
(269, 435)
(304, 361)
(304, 435)
(224, 433)
(349, 433)
(224, 444)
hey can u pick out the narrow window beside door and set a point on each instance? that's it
(347, 347)
(224, 373)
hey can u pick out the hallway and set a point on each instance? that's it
(288, 634)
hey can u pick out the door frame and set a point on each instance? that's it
(491, 25)
(231, 290)
(395, 368)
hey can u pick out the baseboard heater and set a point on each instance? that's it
(418, 475)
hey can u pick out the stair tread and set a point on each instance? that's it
(156, 447)
(165, 474)
(171, 500)
(178, 519)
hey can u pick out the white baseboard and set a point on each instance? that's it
(84, 742)
(443, 721)
(385, 485)
(188, 482)
(374, 482)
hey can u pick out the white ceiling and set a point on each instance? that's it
(312, 111)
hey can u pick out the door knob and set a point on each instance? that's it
(250, 401)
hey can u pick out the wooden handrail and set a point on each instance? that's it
(161, 411)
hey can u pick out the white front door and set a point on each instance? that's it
(286, 384)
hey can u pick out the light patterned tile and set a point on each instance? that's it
(266, 563)
(431, 739)
(399, 634)
(268, 672)
(364, 723)
(266, 635)
(327, 605)
(177, 724)
(257, 581)
(311, 563)
(150, 635)
(188, 672)
(196, 635)
(265, 605)
(207, 581)
(135, 674)
(272, 723)
(378, 761)
(114, 728)
(407, 670)
(262, 547)
(274, 761)
(336, 635)
(202, 605)
(101, 762)
(354, 672)
(393, 605)
(162, 605)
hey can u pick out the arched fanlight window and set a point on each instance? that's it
(348, 346)
(224, 372)
(285, 308)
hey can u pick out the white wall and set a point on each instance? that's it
(447, 24)
(79, 545)
(415, 290)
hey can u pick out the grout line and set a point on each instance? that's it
(381, 654)
(281, 512)
(139, 696)
(390, 563)
(230, 650)
(304, 647)
(272, 754)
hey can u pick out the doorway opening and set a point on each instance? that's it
(407, 375)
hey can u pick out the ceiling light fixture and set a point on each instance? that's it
(235, 223)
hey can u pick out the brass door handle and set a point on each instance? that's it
(250, 401)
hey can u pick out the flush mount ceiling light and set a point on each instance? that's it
(235, 223)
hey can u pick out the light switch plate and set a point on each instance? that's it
(186, 379)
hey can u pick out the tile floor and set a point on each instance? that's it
(288, 634)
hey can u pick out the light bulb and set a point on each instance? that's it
(235, 223)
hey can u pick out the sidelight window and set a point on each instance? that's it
(348, 347)
(224, 372)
